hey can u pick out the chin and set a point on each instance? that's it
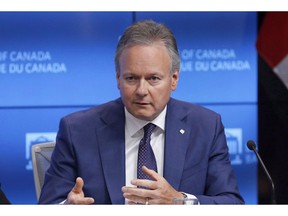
(144, 117)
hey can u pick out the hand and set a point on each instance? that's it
(158, 191)
(76, 195)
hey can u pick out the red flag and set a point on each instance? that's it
(272, 43)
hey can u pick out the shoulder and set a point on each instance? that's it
(103, 111)
(198, 118)
(184, 108)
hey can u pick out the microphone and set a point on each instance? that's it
(252, 146)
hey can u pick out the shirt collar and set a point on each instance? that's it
(133, 124)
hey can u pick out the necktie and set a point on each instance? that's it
(145, 153)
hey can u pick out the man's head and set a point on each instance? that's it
(147, 68)
(145, 33)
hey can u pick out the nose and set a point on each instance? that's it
(142, 88)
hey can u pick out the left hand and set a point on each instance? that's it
(158, 191)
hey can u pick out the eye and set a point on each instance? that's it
(154, 79)
(130, 79)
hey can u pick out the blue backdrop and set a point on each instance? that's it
(55, 63)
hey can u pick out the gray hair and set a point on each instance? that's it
(145, 33)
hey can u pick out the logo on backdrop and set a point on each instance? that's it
(35, 138)
(239, 154)
(235, 145)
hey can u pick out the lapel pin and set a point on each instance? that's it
(182, 131)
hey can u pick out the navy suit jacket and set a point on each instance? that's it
(91, 144)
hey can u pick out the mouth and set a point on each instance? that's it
(142, 103)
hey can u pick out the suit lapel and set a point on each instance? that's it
(111, 138)
(177, 134)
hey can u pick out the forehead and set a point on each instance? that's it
(139, 51)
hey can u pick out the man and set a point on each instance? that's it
(98, 147)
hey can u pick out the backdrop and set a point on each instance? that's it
(55, 63)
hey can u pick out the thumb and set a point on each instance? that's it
(78, 185)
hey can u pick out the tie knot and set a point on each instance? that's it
(149, 128)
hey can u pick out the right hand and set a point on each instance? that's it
(76, 195)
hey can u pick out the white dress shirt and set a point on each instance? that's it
(133, 134)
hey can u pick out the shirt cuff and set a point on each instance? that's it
(190, 196)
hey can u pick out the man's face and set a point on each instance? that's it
(145, 81)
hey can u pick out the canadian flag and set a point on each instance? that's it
(272, 43)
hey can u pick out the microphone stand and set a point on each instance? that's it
(252, 146)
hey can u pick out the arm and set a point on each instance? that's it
(221, 183)
(61, 184)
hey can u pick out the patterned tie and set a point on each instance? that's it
(145, 153)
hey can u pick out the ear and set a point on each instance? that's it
(174, 80)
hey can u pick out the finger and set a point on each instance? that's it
(80, 201)
(129, 192)
(151, 173)
(144, 183)
(134, 199)
(78, 185)
(131, 203)
(88, 200)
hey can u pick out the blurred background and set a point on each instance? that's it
(56, 63)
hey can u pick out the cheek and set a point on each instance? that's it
(162, 95)
(125, 90)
